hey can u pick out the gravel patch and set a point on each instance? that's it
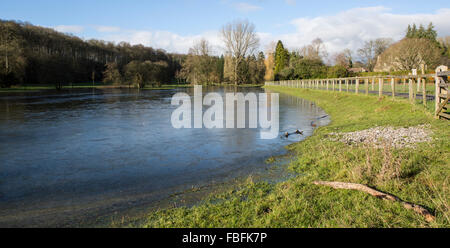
(379, 136)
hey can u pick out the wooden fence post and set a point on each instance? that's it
(366, 85)
(346, 84)
(328, 83)
(356, 86)
(424, 91)
(393, 87)
(419, 82)
(380, 87)
(373, 84)
(410, 90)
(437, 98)
(404, 83)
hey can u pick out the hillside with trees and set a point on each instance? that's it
(36, 55)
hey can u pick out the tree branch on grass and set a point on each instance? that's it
(360, 187)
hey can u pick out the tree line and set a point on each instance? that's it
(241, 63)
(306, 62)
(38, 55)
(419, 48)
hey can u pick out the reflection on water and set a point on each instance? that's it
(61, 150)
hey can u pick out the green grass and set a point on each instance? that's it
(419, 175)
(239, 85)
(399, 88)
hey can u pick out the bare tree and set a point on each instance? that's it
(343, 58)
(319, 48)
(316, 50)
(270, 48)
(372, 49)
(199, 66)
(201, 48)
(240, 40)
(409, 54)
(381, 44)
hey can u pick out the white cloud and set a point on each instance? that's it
(107, 29)
(246, 7)
(167, 40)
(350, 28)
(346, 29)
(69, 29)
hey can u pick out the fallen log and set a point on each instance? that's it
(360, 187)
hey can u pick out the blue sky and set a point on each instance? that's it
(175, 25)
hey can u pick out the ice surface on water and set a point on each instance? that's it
(73, 145)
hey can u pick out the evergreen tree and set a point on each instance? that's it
(431, 34)
(409, 31)
(220, 67)
(281, 58)
(422, 33)
(413, 31)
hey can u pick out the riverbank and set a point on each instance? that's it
(37, 87)
(34, 88)
(417, 174)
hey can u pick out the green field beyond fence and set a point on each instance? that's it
(429, 89)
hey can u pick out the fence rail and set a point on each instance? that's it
(427, 87)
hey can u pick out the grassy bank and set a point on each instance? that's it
(419, 175)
